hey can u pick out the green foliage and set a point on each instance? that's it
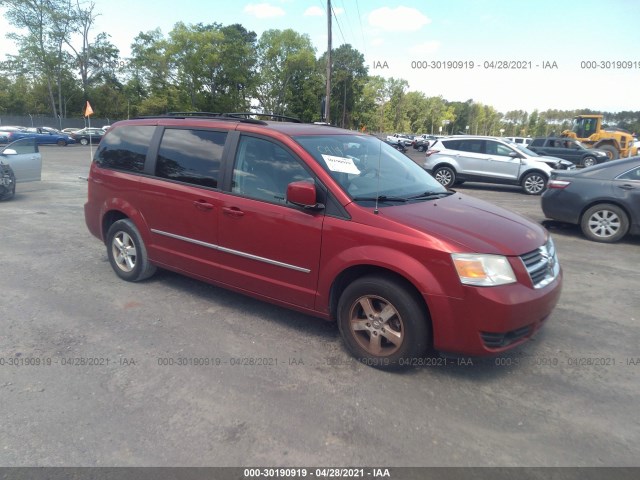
(210, 67)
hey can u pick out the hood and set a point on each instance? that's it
(474, 225)
(555, 162)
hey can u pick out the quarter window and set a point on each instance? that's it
(631, 175)
(125, 148)
(263, 170)
(191, 156)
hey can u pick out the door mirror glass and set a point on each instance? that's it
(9, 151)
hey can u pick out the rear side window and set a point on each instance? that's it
(473, 146)
(538, 142)
(451, 144)
(191, 156)
(125, 148)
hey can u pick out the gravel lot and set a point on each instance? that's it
(86, 376)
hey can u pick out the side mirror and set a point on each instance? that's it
(9, 151)
(303, 194)
(515, 155)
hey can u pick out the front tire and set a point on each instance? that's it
(84, 141)
(612, 152)
(127, 252)
(604, 223)
(446, 176)
(589, 161)
(61, 143)
(534, 183)
(382, 323)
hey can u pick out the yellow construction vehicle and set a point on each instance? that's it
(589, 130)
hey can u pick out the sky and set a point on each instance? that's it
(560, 54)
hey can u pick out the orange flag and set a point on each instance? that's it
(88, 111)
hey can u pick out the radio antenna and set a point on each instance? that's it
(376, 211)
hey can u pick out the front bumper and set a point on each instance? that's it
(491, 320)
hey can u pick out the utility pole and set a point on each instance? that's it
(328, 91)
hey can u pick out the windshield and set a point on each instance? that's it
(524, 149)
(368, 169)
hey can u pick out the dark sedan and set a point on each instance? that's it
(604, 199)
(88, 135)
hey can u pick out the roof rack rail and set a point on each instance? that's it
(206, 115)
(247, 115)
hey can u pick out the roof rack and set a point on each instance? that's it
(247, 115)
(207, 115)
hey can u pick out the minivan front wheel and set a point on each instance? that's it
(382, 323)
(127, 253)
(534, 183)
(445, 175)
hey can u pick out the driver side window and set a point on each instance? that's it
(263, 170)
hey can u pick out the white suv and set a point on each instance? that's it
(453, 160)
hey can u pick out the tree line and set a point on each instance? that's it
(61, 63)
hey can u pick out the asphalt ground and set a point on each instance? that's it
(95, 371)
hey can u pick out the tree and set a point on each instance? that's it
(347, 83)
(285, 58)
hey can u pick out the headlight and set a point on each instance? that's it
(483, 270)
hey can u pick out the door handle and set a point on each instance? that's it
(233, 211)
(202, 205)
(626, 186)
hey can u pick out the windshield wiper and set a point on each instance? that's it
(380, 198)
(428, 195)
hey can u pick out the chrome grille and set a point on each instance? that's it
(542, 264)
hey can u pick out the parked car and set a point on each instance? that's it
(6, 130)
(364, 237)
(604, 199)
(454, 160)
(568, 149)
(399, 138)
(526, 141)
(88, 135)
(397, 145)
(422, 142)
(42, 136)
(20, 161)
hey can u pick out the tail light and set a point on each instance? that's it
(430, 152)
(560, 184)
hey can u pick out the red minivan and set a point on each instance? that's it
(329, 222)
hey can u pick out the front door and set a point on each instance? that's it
(26, 163)
(267, 246)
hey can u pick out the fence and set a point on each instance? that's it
(53, 122)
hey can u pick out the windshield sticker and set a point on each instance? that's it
(341, 164)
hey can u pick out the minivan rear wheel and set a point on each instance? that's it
(534, 183)
(127, 252)
(382, 322)
(445, 175)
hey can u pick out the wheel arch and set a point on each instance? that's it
(118, 209)
(352, 273)
(533, 170)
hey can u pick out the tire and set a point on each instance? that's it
(446, 176)
(589, 161)
(382, 343)
(604, 223)
(612, 153)
(8, 196)
(84, 141)
(127, 252)
(534, 183)
(61, 143)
